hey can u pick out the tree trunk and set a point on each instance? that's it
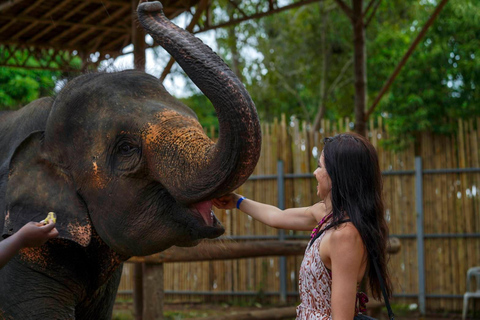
(323, 90)
(360, 67)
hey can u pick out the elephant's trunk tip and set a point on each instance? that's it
(150, 7)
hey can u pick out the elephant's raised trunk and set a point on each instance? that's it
(227, 164)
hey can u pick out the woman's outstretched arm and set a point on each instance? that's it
(302, 219)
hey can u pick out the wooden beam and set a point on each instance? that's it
(71, 30)
(125, 39)
(31, 7)
(64, 23)
(115, 2)
(407, 55)
(41, 46)
(111, 17)
(46, 15)
(8, 25)
(68, 15)
(97, 43)
(240, 250)
(59, 68)
(225, 251)
(7, 5)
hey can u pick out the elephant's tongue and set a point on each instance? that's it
(205, 209)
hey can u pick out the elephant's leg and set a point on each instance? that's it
(99, 305)
(28, 294)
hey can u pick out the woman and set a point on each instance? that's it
(350, 229)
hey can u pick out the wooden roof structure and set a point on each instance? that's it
(54, 34)
(59, 30)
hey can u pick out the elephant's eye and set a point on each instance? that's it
(126, 149)
(126, 154)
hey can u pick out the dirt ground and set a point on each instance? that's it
(202, 310)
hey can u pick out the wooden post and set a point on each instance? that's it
(153, 291)
(138, 291)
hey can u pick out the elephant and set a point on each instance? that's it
(127, 169)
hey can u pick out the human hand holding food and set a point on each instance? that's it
(32, 234)
(51, 217)
(35, 234)
(228, 201)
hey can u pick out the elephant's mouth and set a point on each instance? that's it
(204, 208)
(212, 226)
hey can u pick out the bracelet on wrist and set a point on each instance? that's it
(240, 201)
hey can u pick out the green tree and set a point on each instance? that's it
(204, 110)
(20, 86)
(440, 82)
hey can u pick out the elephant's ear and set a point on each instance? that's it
(35, 187)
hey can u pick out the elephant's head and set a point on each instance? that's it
(120, 156)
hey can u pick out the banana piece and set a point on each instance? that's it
(50, 216)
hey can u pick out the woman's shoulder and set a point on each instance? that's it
(319, 210)
(346, 234)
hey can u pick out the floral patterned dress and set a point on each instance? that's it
(315, 285)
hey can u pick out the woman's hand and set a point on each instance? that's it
(228, 201)
(292, 219)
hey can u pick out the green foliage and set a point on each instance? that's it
(288, 76)
(204, 110)
(20, 86)
(281, 58)
(439, 84)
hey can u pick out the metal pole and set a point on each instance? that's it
(281, 233)
(420, 233)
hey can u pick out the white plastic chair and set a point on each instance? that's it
(472, 272)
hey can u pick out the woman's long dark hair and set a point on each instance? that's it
(352, 164)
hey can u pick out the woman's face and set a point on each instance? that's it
(324, 185)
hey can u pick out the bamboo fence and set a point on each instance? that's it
(451, 205)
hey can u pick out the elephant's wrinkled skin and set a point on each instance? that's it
(126, 168)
